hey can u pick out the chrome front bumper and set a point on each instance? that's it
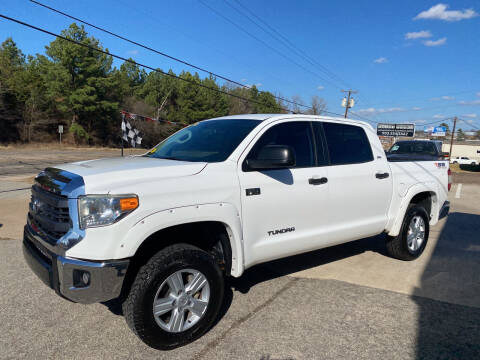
(80, 281)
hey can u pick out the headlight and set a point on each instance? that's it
(101, 210)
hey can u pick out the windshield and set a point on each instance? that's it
(205, 141)
(420, 147)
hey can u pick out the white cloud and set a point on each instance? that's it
(438, 42)
(424, 34)
(416, 108)
(473, 115)
(420, 121)
(473, 102)
(373, 111)
(440, 12)
(470, 121)
(132, 52)
(438, 116)
(478, 94)
(243, 80)
(445, 97)
(380, 60)
(320, 87)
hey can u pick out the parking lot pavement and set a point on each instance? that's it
(348, 301)
(267, 316)
(447, 270)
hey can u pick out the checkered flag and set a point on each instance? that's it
(129, 133)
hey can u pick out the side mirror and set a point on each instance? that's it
(271, 157)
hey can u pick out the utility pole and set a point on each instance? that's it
(347, 104)
(453, 132)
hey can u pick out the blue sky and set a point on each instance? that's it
(411, 61)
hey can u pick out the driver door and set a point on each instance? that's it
(283, 210)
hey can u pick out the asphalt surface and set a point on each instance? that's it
(349, 301)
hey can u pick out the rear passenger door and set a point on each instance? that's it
(360, 183)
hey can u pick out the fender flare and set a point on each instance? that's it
(225, 213)
(414, 190)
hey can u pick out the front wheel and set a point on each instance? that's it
(175, 297)
(412, 239)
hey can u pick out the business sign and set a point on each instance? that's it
(407, 130)
(436, 131)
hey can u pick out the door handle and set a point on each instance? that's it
(317, 181)
(382, 175)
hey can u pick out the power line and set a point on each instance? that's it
(468, 124)
(282, 39)
(134, 62)
(363, 117)
(265, 43)
(291, 46)
(143, 65)
(160, 52)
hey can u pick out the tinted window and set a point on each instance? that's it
(322, 155)
(347, 144)
(209, 141)
(297, 135)
(414, 147)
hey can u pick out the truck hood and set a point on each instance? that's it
(105, 174)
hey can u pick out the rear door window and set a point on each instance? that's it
(347, 144)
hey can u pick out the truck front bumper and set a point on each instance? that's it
(80, 281)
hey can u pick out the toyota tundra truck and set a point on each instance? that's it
(160, 232)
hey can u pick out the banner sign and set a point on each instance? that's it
(407, 130)
(132, 116)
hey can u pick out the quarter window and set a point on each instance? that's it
(347, 144)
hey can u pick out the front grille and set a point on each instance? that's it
(48, 213)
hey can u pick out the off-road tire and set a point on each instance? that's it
(397, 246)
(137, 308)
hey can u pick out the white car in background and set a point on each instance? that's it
(463, 160)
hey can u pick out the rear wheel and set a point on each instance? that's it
(412, 239)
(175, 297)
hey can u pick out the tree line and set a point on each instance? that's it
(79, 88)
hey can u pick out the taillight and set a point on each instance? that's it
(449, 179)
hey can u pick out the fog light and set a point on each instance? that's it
(81, 278)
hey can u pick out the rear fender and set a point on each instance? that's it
(396, 224)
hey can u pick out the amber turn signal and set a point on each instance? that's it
(128, 204)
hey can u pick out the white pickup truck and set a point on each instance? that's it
(161, 231)
(463, 160)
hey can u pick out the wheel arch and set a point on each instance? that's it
(214, 228)
(422, 195)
